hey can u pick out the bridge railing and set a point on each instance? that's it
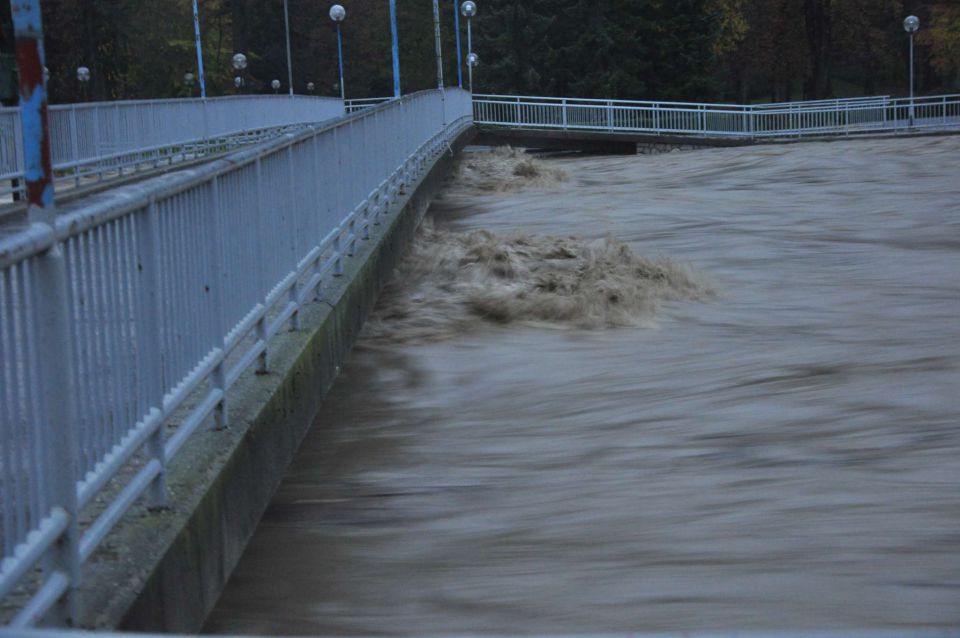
(358, 104)
(126, 323)
(102, 138)
(857, 115)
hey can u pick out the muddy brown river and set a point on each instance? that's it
(699, 391)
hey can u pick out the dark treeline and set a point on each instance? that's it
(739, 50)
(734, 50)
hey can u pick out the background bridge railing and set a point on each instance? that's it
(165, 293)
(103, 138)
(359, 104)
(823, 117)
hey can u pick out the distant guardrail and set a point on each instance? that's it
(790, 119)
(354, 105)
(102, 139)
(153, 300)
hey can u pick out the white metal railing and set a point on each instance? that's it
(155, 299)
(100, 139)
(830, 117)
(352, 106)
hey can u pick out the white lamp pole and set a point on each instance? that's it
(469, 9)
(472, 60)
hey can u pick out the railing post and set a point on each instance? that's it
(261, 329)
(120, 138)
(293, 295)
(74, 143)
(610, 115)
(49, 284)
(216, 276)
(148, 339)
(563, 106)
(55, 360)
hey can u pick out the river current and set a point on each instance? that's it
(697, 391)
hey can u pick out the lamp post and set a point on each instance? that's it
(469, 9)
(395, 47)
(337, 14)
(239, 62)
(472, 60)
(436, 37)
(83, 77)
(188, 81)
(286, 22)
(196, 31)
(456, 28)
(911, 25)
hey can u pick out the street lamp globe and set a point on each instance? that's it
(83, 74)
(188, 79)
(311, 86)
(468, 9)
(911, 24)
(239, 61)
(337, 13)
(473, 60)
(238, 82)
(275, 85)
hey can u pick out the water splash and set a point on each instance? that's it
(505, 169)
(451, 282)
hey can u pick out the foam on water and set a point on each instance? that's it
(505, 169)
(451, 282)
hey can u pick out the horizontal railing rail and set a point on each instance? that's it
(665, 103)
(358, 104)
(99, 139)
(126, 323)
(832, 117)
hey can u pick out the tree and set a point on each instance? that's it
(944, 41)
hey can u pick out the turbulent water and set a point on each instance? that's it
(699, 391)
(455, 282)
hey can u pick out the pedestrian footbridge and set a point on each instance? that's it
(129, 320)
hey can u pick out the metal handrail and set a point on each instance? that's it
(357, 104)
(668, 103)
(97, 140)
(172, 289)
(867, 115)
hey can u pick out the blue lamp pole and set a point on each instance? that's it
(436, 34)
(286, 22)
(337, 14)
(456, 26)
(396, 48)
(196, 30)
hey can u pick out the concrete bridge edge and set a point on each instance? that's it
(163, 571)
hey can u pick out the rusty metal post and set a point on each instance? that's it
(54, 346)
(38, 169)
